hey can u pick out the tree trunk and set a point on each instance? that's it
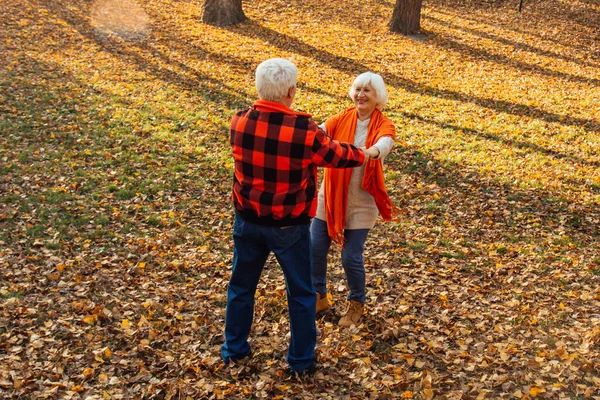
(223, 12)
(406, 18)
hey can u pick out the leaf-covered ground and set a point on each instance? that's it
(115, 214)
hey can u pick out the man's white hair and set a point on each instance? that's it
(274, 77)
(376, 82)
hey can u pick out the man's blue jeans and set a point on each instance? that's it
(292, 248)
(352, 259)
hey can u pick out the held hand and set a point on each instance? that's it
(364, 150)
(372, 152)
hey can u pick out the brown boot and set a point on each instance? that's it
(323, 301)
(353, 314)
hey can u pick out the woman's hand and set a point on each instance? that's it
(372, 152)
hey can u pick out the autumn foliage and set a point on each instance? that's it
(115, 211)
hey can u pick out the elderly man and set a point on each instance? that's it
(277, 152)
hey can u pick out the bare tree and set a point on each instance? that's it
(223, 12)
(406, 18)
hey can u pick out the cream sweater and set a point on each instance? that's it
(361, 211)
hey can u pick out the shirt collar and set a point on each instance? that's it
(273, 106)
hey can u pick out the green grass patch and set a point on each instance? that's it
(7, 294)
(125, 194)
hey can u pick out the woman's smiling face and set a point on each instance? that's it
(364, 99)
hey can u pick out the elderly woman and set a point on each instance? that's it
(350, 200)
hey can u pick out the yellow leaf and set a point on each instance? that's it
(125, 324)
(143, 321)
(90, 319)
(77, 388)
(88, 372)
(407, 395)
(534, 391)
(107, 353)
(427, 394)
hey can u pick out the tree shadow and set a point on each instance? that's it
(463, 48)
(352, 67)
(148, 58)
(75, 102)
(576, 12)
(308, 87)
(557, 155)
(354, 13)
(475, 195)
(191, 78)
(565, 43)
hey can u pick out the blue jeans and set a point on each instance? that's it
(352, 259)
(292, 248)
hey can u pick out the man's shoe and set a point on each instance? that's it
(323, 301)
(244, 360)
(353, 314)
(304, 374)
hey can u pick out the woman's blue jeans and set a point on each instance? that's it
(352, 259)
(292, 248)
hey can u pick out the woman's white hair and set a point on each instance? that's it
(377, 84)
(274, 77)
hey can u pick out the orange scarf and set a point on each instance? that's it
(342, 127)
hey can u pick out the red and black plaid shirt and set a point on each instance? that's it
(276, 152)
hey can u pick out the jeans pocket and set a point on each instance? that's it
(286, 237)
(238, 226)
